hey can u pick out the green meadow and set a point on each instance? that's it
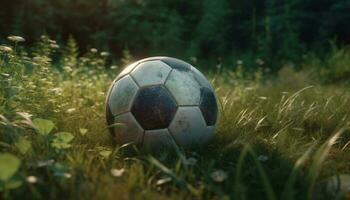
(280, 135)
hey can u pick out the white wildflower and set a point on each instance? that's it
(15, 38)
(70, 110)
(32, 179)
(5, 49)
(55, 46)
(93, 50)
(104, 54)
(219, 176)
(259, 61)
(52, 41)
(263, 98)
(117, 172)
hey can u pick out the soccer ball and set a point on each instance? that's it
(160, 100)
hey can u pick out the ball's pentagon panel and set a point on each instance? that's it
(208, 106)
(176, 64)
(127, 129)
(155, 139)
(122, 95)
(201, 78)
(183, 87)
(151, 73)
(188, 127)
(154, 107)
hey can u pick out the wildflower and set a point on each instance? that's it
(52, 41)
(239, 62)
(117, 172)
(70, 110)
(191, 161)
(104, 54)
(57, 90)
(263, 98)
(55, 46)
(193, 59)
(263, 158)
(93, 50)
(14, 38)
(32, 179)
(259, 61)
(219, 176)
(5, 49)
(114, 67)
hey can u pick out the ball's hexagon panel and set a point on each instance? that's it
(208, 106)
(122, 95)
(202, 80)
(176, 63)
(154, 107)
(127, 129)
(127, 70)
(157, 139)
(151, 73)
(188, 127)
(184, 87)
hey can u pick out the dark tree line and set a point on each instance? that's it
(270, 29)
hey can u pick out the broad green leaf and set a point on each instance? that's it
(61, 140)
(9, 165)
(13, 184)
(43, 126)
(63, 137)
(83, 131)
(23, 145)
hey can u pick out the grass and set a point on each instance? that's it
(275, 139)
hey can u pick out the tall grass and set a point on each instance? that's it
(276, 139)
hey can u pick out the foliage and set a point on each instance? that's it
(276, 137)
(274, 30)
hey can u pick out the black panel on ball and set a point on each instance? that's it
(208, 106)
(176, 63)
(154, 107)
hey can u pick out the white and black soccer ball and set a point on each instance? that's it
(157, 100)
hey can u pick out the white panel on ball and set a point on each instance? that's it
(188, 127)
(201, 78)
(127, 129)
(122, 95)
(151, 73)
(127, 70)
(156, 139)
(184, 87)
